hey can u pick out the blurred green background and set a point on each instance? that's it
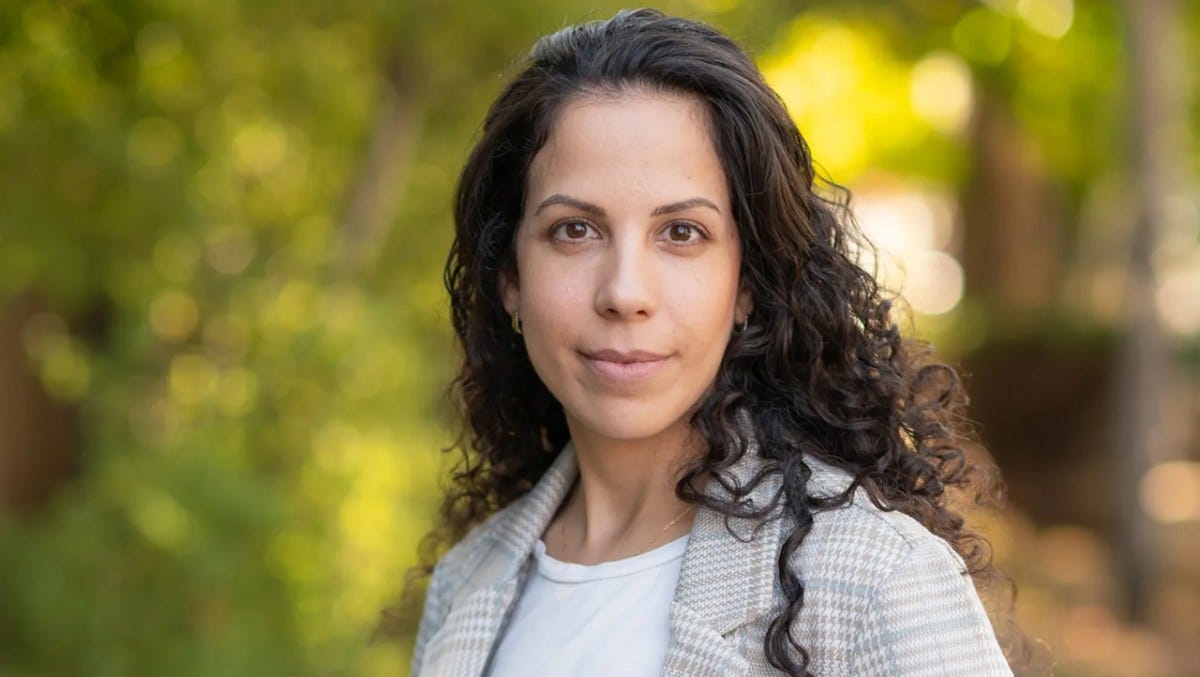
(224, 342)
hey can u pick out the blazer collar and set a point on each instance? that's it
(727, 581)
(724, 582)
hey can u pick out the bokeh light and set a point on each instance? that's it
(1170, 491)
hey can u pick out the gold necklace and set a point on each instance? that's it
(562, 530)
(669, 524)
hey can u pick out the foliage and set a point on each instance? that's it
(259, 374)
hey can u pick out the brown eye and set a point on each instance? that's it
(571, 231)
(681, 232)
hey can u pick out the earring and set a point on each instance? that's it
(745, 323)
(516, 322)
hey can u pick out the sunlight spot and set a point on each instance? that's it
(934, 282)
(1178, 300)
(1170, 492)
(229, 249)
(160, 518)
(173, 315)
(940, 91)
(1052, 18)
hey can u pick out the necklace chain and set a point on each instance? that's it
(664, 529)
(562, 529)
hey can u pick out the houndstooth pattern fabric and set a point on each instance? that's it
(883, 595)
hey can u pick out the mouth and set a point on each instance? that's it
(624, 366)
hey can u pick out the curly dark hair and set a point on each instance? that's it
(822, 369)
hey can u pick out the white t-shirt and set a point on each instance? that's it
(604, 619)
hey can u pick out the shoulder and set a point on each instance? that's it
(884, 595)
(921, 614)
(861, 541)
(864, 551)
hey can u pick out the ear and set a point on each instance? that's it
(509, 291)
(744, 305)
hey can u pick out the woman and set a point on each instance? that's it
(696, 442)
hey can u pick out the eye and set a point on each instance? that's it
(571, 231)
(680, 232)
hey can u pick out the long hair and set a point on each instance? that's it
(821, 370)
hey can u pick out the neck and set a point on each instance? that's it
(624, 496)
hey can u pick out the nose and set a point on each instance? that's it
(627, 287)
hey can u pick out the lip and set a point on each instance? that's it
(615, 365)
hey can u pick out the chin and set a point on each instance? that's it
(631, 421)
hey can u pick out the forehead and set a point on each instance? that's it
(634, 107)
(659, 143)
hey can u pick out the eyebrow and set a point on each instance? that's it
(560, 199)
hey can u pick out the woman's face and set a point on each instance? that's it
(627, 263)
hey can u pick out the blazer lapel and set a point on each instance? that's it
(464, 645)
(724, 582)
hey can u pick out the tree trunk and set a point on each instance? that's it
(374, 197)
(1012, 225)
(39, 436)
(1156, 141)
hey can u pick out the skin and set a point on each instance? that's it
(624, 279)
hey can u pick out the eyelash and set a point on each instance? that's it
(554, 230)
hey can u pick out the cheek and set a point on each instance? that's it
(549, 292)
(551, 306)
(703, 297)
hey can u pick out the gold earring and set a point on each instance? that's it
(516, 322)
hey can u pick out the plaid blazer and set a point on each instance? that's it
(883, 595)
